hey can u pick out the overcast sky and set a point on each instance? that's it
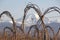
(16, 7)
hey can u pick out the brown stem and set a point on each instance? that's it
(28, 7)
(36, 30)
(10, 16)
(48, 11)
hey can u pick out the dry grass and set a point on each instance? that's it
(38, 34)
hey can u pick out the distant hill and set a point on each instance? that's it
(54, 25)
(4, 24)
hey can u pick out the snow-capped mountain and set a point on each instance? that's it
(5, 24)
(55, 26)
(30, 20)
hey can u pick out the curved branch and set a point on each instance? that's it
(14, 25)
(54, 9)
(8, 28)
(58, 32)
(36, 30)
(20, 29)
(50, 29)
(48, 11)
(33, 26)
(7, 13)
(29, 6)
